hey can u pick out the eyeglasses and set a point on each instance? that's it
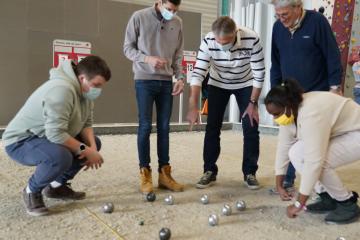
(282, 16)
(286, 14)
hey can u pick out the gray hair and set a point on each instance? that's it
(287, 3)
(223, 26)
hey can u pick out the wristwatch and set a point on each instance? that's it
(335, 87)
(298, 205)
(82, 148)
(253, 102)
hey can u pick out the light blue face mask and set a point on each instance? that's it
(226, 47)
(93, 93)
(167, 15)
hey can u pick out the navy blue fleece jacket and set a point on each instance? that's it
(310, 55)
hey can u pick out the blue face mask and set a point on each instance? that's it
(167, 15)
(226, 47)
(93, 93)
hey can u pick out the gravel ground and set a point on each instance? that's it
(117, 182)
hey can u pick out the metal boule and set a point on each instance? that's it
(213, 220)
(108, 207)
(226, 210)
(164, 234)
(204, 199)
(150, 197)
(240, 205)
(169, 200)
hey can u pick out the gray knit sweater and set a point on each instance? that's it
(148, 34)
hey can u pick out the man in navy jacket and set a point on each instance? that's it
(303, 48)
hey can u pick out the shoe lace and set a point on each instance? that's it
(206, 176)
(251, 177)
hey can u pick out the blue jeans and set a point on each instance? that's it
(357, 95)
(149, 92)
(54, 162)
(217, 101)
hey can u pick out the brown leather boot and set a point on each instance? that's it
(167, 182)
(146, 185)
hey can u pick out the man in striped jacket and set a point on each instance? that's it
(234, 58)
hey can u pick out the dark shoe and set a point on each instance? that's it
(251, 182)
(346, 211)
(34, 204)
(63, 192)
(206, 180)
(324, 205)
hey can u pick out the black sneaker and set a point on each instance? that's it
(34, 204)
(64, 192)
(324, 205)
(346, 211)
(251, 182)
(206, 180)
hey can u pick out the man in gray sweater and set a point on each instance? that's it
(53, 131)
(154, 43)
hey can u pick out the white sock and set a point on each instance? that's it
(55, 184)
(28, 189)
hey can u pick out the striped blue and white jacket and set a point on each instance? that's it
(241, 66)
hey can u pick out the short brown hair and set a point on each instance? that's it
(92, 66)
(223, 26)
(175, 2)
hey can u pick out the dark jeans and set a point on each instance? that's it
(54, 162)
(217, 102)
(290, 174)
(149, 92)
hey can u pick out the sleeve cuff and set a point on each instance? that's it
(142, 58)
(257, 84)
(195, 82)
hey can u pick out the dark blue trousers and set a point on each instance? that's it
(218, 99)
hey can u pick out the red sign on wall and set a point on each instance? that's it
(188, 63)
(66, 49)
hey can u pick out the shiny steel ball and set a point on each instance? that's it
(108, 208)
(226, 210)
(169, 200)
(150, 197)
(340, 238)
(213, 220)
(164, 234)
(204, 199)
(240, 205)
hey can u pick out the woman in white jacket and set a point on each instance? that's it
(319, 132)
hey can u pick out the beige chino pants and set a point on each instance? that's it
(342, 150)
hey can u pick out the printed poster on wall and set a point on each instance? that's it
(68, 49)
